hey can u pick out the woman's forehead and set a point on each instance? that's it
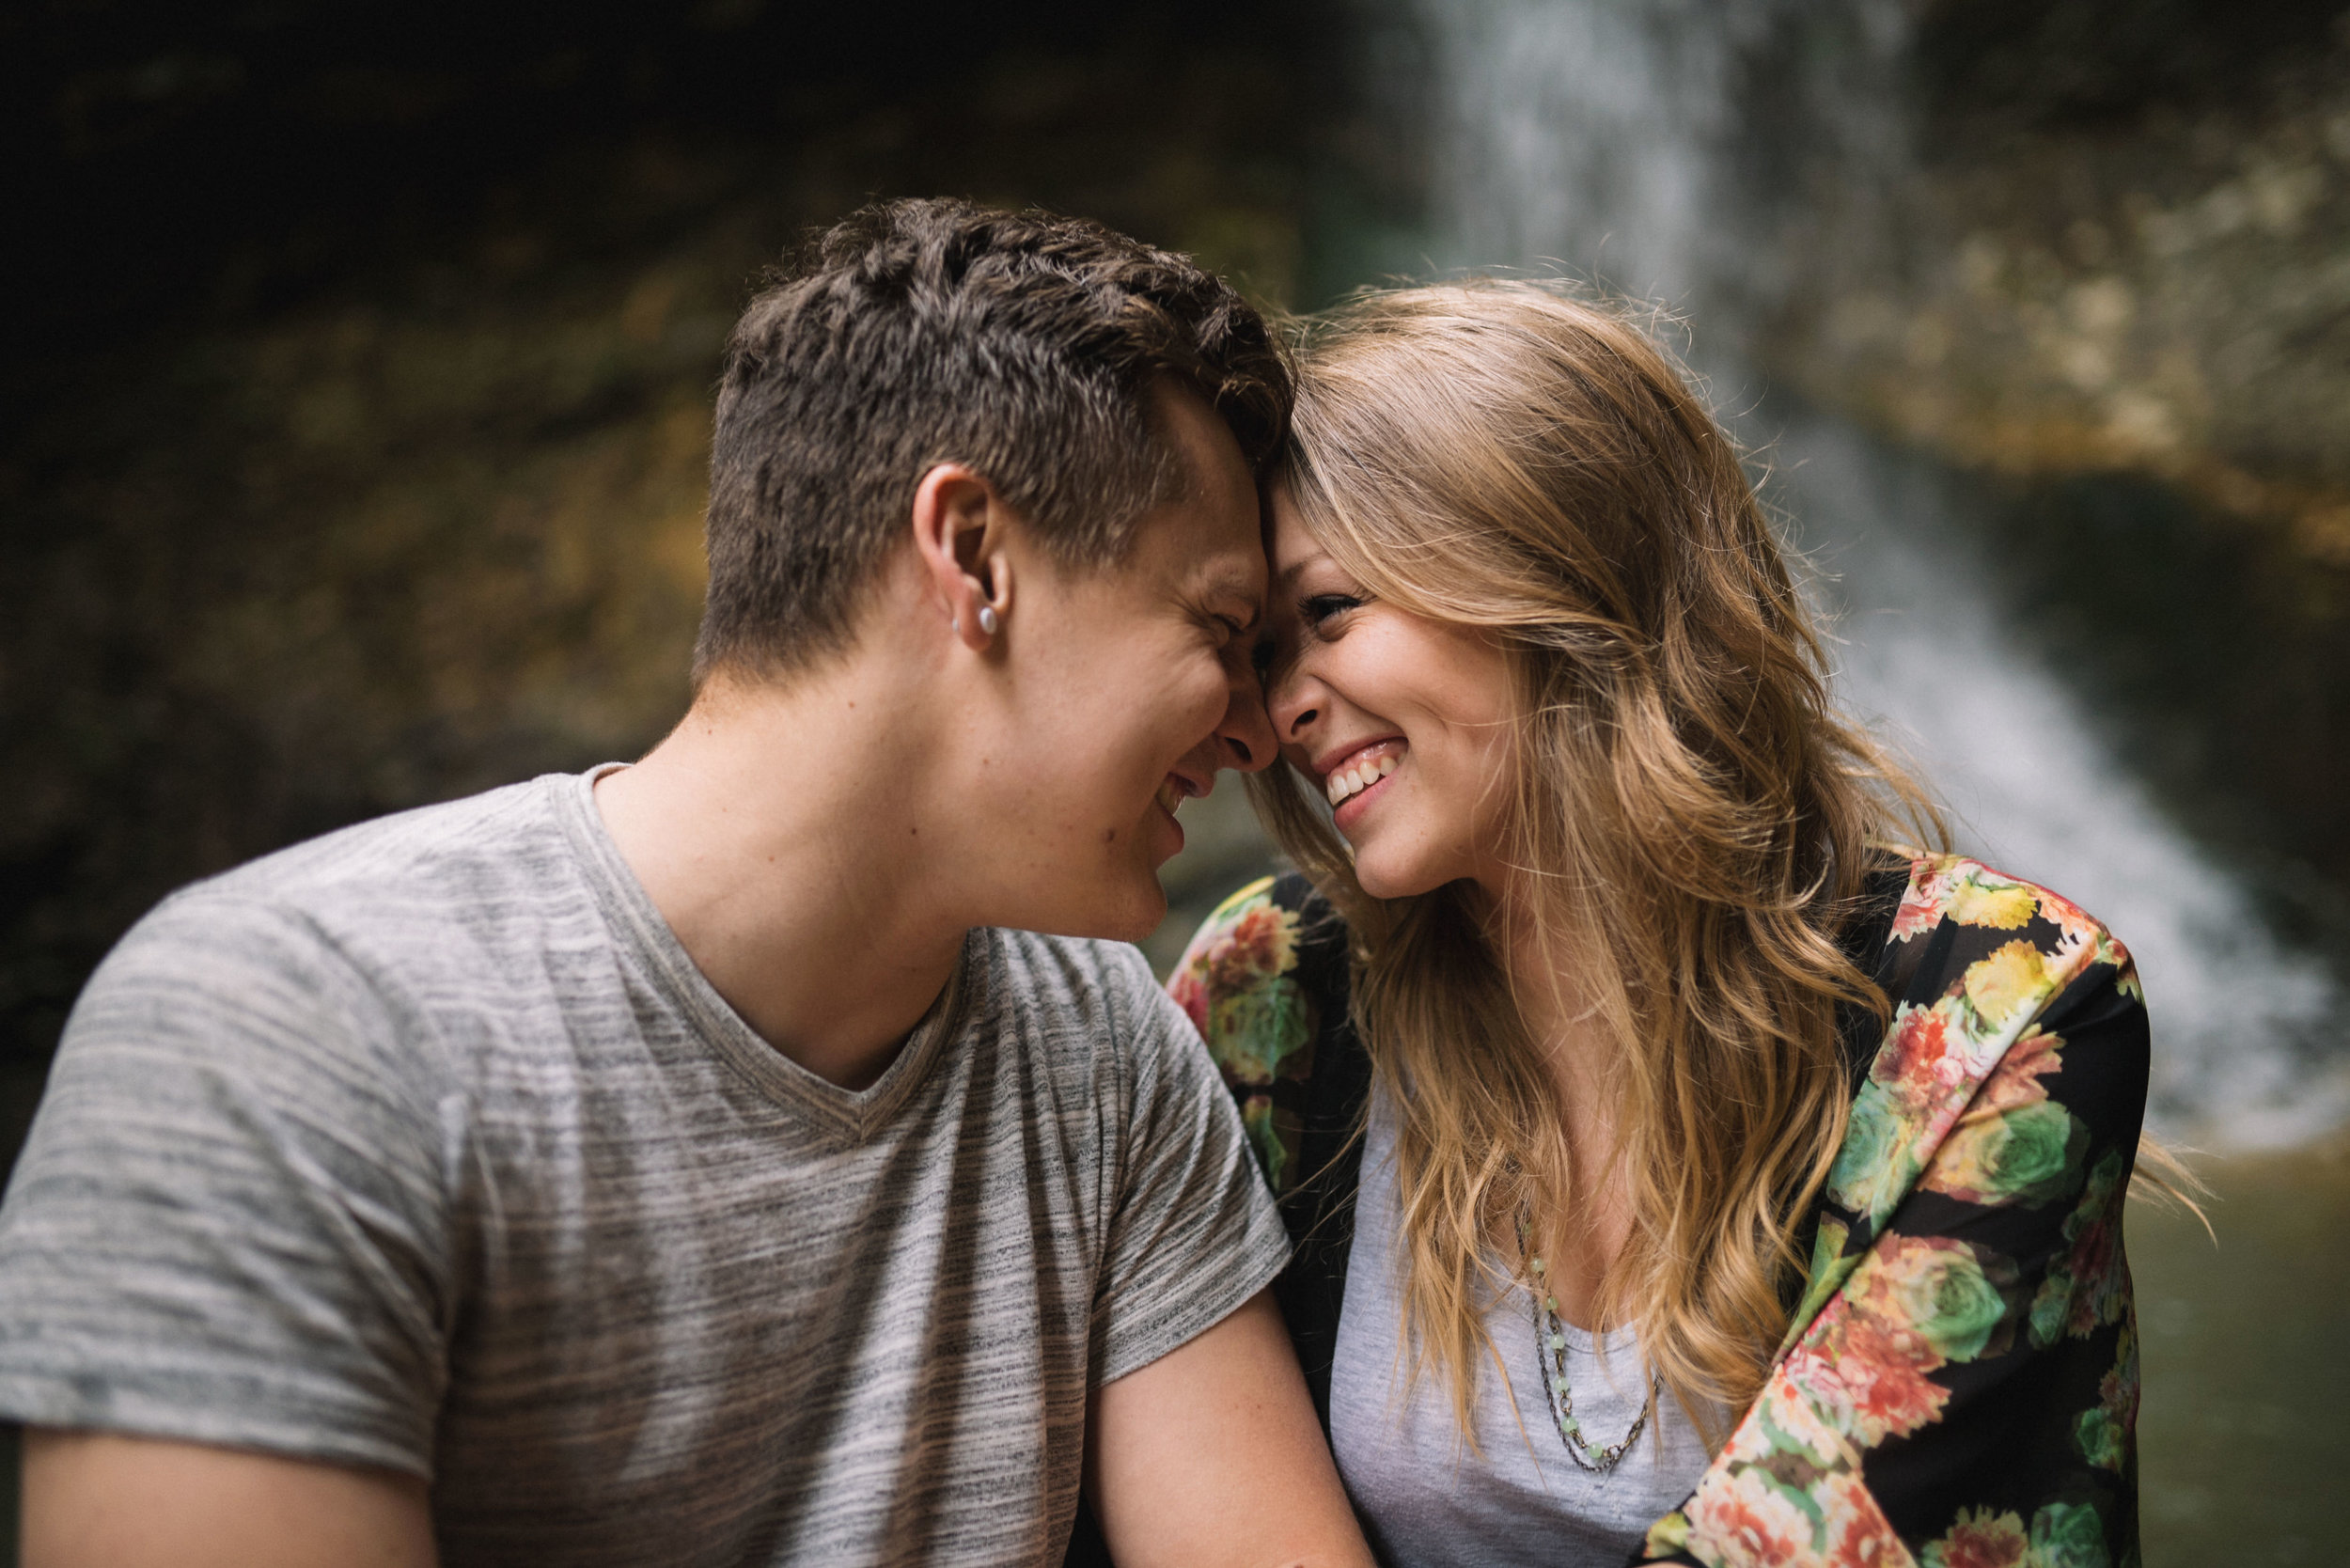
(1293, 544)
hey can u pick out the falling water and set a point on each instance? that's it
(1660, 146)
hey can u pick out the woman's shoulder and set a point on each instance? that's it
(2005, 940)
(2018, 1022)
(1264, 981)
(1264, 954)
(1293, 891)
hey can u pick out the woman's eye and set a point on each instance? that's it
(1322, 606)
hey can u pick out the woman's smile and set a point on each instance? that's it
(1402, 722)
(1359, 773)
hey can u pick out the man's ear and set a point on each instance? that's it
(961, 531)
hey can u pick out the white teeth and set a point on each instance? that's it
(1353, 780)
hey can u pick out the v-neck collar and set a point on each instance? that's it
(853, 1114)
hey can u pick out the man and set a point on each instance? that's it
(683, 1163)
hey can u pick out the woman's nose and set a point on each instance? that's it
(1293, 704)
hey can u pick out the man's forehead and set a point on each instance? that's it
(1201, 549)
(1212, 530)
(1209, 453)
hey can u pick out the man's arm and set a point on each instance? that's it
(227, 1231)
(1211, 1456)
(96, 1499)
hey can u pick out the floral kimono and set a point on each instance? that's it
(1958, 1388)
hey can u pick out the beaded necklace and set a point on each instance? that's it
(1550, 1363)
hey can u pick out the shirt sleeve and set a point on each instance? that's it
(1193, 1232)
(1970, 1392)
(228, 1223)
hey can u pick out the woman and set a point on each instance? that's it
(1679, 1173)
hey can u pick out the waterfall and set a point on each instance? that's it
(1662, 147)
(2241, 1023)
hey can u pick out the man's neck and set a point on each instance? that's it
(781, 832)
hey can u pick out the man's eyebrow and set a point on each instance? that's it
(1232, 579)
(1229, 581)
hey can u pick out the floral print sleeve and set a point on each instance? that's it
(1959, 1389)
(1238, 982)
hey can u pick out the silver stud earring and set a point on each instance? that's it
(987, 619)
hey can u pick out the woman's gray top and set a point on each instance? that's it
(1424, 1496)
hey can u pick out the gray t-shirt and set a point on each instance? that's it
(1424, 1498)
(425, 1145)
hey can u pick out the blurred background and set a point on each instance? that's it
(354, 398)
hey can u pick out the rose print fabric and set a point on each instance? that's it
(1958, 1388)
(1238, 982)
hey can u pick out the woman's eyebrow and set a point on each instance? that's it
(1289, 572)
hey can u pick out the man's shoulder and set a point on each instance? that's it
(1078, 979)
(466, 845)
(428, 885)
(1084, 1008)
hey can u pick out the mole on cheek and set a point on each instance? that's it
(1110, 835)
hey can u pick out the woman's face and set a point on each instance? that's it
(1402, 721)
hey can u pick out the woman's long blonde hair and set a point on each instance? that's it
(1689, 814)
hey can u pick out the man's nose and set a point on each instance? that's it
(1245, 739)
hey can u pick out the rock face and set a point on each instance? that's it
(380, 492)
(2147, 269)
(2109, 272)
(352, 457)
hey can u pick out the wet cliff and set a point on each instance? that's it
(351, 429)
(353, 455)
(2110, 278)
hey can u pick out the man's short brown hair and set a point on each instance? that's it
(913, 333)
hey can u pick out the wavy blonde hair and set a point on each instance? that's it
(1687, 811)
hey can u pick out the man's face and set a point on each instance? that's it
(1134, 685)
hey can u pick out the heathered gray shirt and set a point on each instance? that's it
(425, 1145)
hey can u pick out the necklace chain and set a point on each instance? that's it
(1550, 1362)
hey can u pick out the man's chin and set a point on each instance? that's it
(1143, 904)
(1162, 832)
(1139, 917)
